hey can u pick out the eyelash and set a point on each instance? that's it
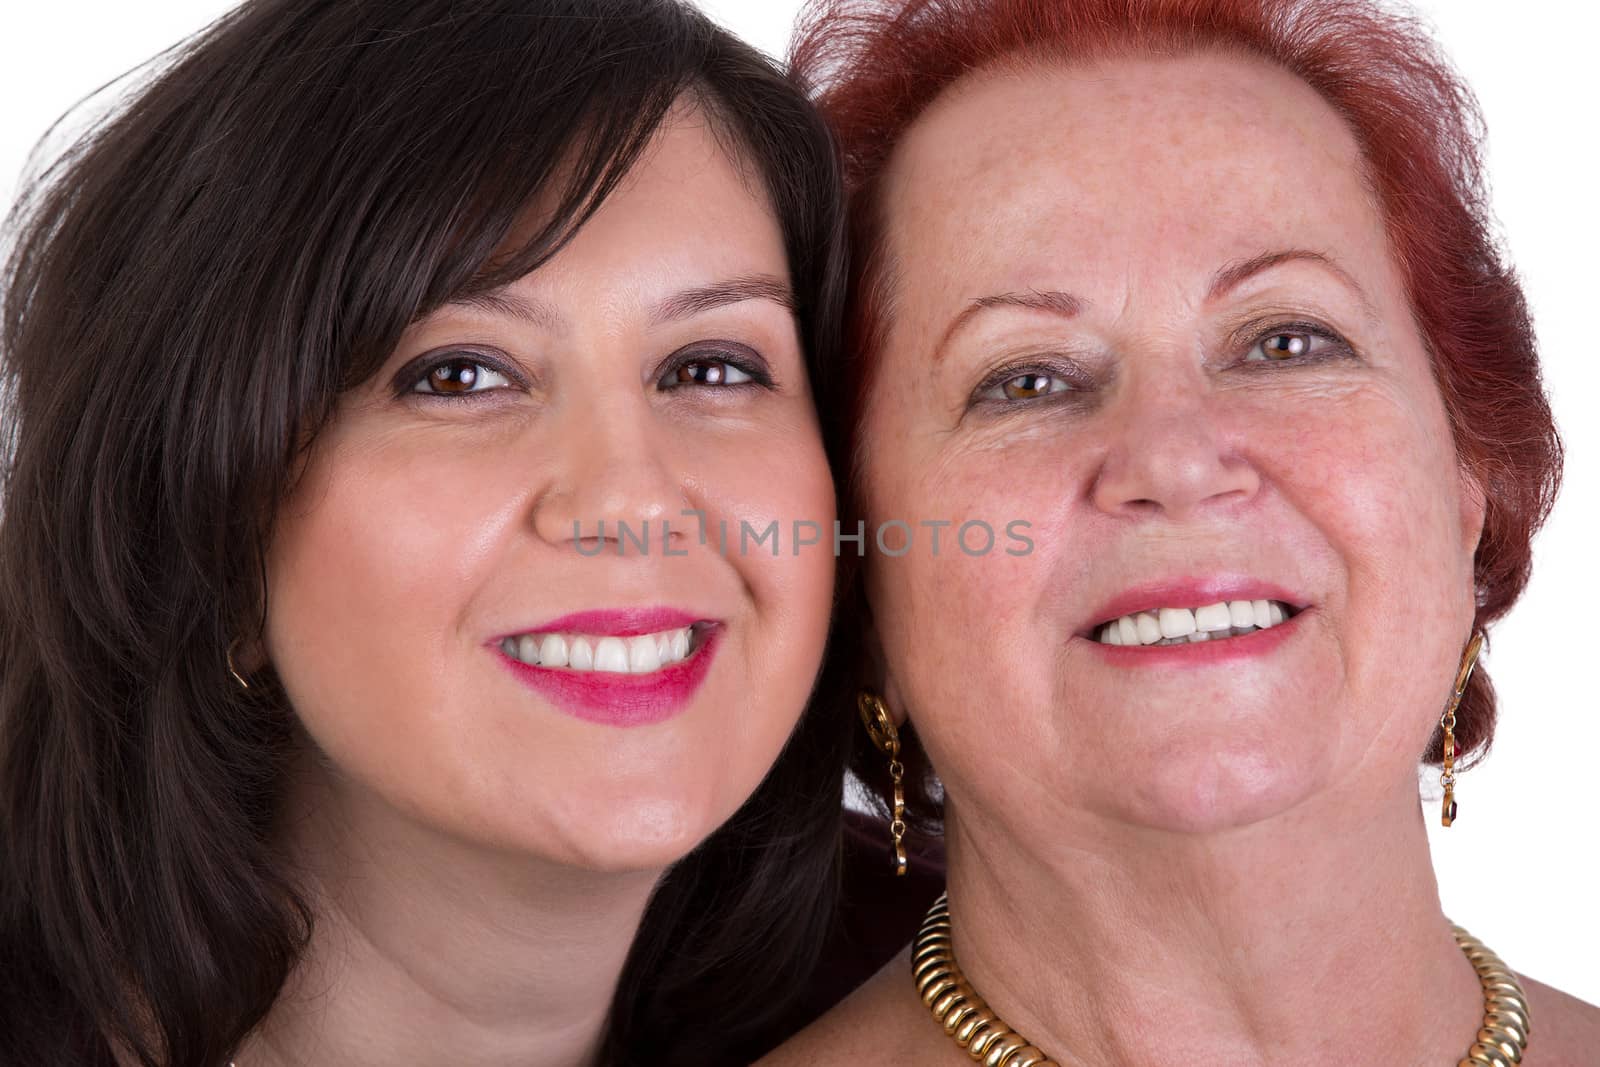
(752, 366)
(410, 379)
(1072, 377)
(1336, 347)
(420, 370)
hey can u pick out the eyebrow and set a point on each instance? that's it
(681, 305)
(1049, 300)
(1235, 274)
(1224, 281)
(511, 305)
(720, 294)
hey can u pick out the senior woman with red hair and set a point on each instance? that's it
(1204, 292)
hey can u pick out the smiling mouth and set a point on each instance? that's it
(604, 653)
(1178, 626)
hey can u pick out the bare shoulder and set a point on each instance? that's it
(1566, 1030)
(878, 1023)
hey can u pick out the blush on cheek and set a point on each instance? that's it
(367, 569)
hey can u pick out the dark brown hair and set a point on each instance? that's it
(189, 290)
(876, 65)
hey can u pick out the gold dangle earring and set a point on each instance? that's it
(881, 728)
(1447, 722)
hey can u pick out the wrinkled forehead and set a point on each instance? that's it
(1148, 167)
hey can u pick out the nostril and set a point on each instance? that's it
(1141, 506)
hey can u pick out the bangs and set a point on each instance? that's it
(426, 185)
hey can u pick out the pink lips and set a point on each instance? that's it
(1192, 593)
(1189, 593)
(612, 698)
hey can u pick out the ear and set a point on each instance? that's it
(249, 656)
(891, 697)
(1474, 507)
(881, 677)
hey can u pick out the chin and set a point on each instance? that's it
(620, 833)
(1209, 789)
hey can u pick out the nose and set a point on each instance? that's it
(613, 486)
(1170, 453)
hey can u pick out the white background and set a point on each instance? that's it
(1519, 867)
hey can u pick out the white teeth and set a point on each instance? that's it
(643, 655)
(553, 651)
(1176, 622)
(1213, 617)
(1177, 626)
(611, 655)
(618, 655)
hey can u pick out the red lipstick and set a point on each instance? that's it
(613, 698)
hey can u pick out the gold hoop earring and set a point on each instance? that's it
(233, 670)
(1447, 723)
(880, 727)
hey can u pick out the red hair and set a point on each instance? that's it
(874, 67)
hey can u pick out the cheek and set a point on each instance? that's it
(768, 507)
(375, 529)
(761, 492)
(1376, 481)
(371, 574)
(1378, 475)
(956, 620)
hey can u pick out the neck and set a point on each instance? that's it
(1295, 940)
(428, 949)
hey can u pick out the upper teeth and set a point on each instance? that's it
(1172, 626)
(587, 652)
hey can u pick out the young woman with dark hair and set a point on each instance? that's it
(344, 715)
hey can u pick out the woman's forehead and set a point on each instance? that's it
(1213, 156)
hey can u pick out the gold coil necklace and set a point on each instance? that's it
(973, 1025)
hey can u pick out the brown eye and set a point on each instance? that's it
(706, 372)
(1282, 346)
(457, 377)
(1029, 385)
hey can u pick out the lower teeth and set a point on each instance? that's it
(1208, 635)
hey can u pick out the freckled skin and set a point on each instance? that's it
(425, 528)
(1185, 865)
(1130, 186)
